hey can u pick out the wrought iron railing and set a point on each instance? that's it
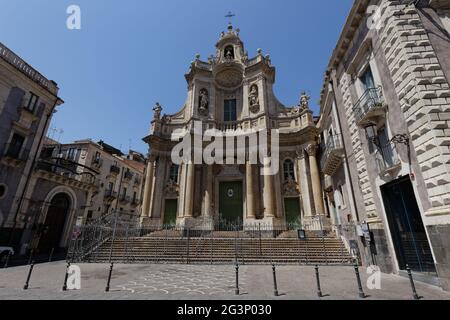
(333, 143)
(371, 98)
(110, 194)
(115, 169)
(127, 175)
(210, 243)
(124, 199)
(386, 157)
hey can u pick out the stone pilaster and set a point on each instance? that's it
(158, 193)
(251, 214)
(269, 193)
(148, 189)
(315, 179)
(208, 192)
(189, 195)
(304, 184)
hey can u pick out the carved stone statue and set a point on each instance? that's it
(253, 98)
(157, 112)
(290, 187)
(229, 53)
(172, 188)
(204, 101)
(304, 101)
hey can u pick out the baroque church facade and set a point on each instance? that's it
(233, 94)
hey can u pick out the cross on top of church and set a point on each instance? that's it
(230, 15)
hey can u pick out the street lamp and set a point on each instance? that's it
(372, 134)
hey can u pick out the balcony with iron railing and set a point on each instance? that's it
(370, 107)
(114, 169)
(97, 162)
(124, 199)
(387, 159)
(137, 181)
(135, 202)
(69, 171)
(110, 195)
(127, 175)
(332, 154)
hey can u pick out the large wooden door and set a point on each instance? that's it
(53, 228)
(407, 228)
(292, 210)
(231, 204)
(170, 212)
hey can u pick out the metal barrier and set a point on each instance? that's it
(113, 240)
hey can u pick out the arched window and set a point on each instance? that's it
(288, 168)
(173, 175)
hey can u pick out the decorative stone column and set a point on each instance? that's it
(208, 192)
(269, 192)
(250, 198)
(189, 199)
(148, 188)
(304, 184)
(156, 203)
(315, 179)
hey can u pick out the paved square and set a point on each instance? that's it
(204, 282)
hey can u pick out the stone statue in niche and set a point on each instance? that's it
(204, 101)
(253, 99)
(229, 53)
(290, 187)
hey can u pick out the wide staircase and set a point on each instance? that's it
(220, 248)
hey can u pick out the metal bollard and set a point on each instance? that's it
(188, 245)
(413, 287)
(358, 279)
(30, 258)
(237, 280)
(25, 287)
(319, 291)
(109, 277)
(66, 276)
(51, 255)
(7, 260)
(275, 292)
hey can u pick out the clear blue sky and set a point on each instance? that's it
(130, 54)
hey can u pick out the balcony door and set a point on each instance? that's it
(367, 79)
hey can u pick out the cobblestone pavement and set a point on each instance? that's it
(177, 282)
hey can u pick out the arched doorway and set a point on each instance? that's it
(54, 223)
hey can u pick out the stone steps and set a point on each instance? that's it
(222, 250)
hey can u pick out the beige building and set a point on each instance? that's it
(118, 177)
(385, 133)
(232, 93)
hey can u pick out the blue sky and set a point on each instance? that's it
(130, 54)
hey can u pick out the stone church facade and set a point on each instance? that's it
(233, 94)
